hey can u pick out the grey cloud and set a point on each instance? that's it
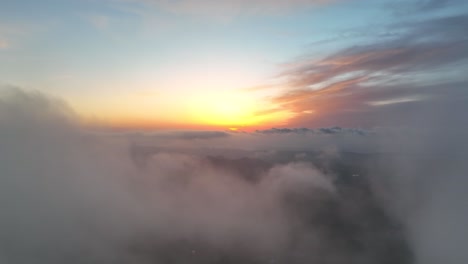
(70, 195)
(424, 59)
(323, 130)
(202, 134)
(433, 4)
(412, 87)
(421, 185)
(182, 135)
(421, 6)
(67, 195)
(424, 46)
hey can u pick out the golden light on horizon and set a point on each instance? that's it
(192, 99)
(223, 109)
(228, 109)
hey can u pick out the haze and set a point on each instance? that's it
(232, 131)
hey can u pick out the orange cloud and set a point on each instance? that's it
(360, 83)
(317, 102)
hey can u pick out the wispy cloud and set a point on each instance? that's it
(4, 44)
(397, 100)
(6, 32)
(100, 22)
(13, 33)
(229, 8)
(405, 7)
(409, 68)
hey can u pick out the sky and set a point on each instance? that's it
(237, 64)
(233, 131)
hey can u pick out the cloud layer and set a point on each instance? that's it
(287, 196)
(68, 195)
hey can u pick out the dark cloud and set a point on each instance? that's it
(323, 130)
(182, 135)
(433, 4)
(202, 134)
(421, 6)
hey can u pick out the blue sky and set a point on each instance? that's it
(157, 61)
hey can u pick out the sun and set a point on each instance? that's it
(228, 109)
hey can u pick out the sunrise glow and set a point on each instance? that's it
(233, 131)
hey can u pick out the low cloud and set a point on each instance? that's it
(323, 130)
(182, 135)
(281, 195)
(75, 196)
